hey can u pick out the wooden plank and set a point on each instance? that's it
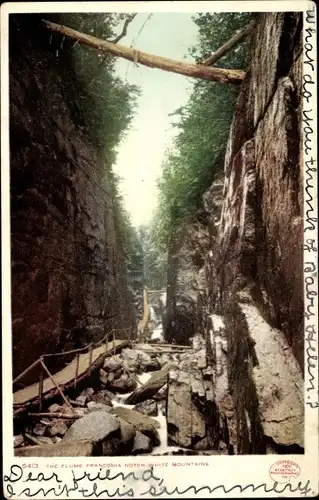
(64, 376)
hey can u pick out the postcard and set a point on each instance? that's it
(159, 235)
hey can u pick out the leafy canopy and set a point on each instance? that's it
(203, 125)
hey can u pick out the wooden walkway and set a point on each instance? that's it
(79, 368)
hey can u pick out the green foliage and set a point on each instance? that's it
(202, 125)
(103, 101)
(154, 260)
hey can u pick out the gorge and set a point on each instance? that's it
(220, 369)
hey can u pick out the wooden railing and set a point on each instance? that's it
(110, 337)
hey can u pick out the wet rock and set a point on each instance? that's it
(39, 429)
(58, 428)
(103, 377)
(88, 392)
(208, 373)
(81, 400)
(112, 364)
(142, 444)
(122, 385)
(151, 366)
(118, 373)
(62, 449)
(131, 360)
(127, 431)
(18, 441)
(201, 362)
(147, 407)
(80, 412)
(45, 421)
(93, 406)
(95, 427)
(197, 385)
(152, 386)
(161, 394)
(142, 423)
(101, 397)
(185, 423)
(55, 408)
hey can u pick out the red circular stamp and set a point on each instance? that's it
(284, 470)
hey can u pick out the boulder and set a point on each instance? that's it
(58, 427)
(80, 412)
(118, 373)
(141, 444)
(112, 364)
(62, 449)
(151, 366)
(152, 386)
(18, 441)
(142, 423)
(147, 407)
(93, 406)
(89, 391)
(55, 408)
(185, 423)
(39, 429)
(161, 394)
(81, 400)
(122, 385)
(94, 427)
(102, 397)
(127, 432)
(103, 377)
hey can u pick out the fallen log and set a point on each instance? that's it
(229, 45)
(151, 387)
(221, 75)
(53, 415)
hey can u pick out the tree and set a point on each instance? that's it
(203, 124)
(150, 60)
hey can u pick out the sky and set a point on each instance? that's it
(141, 153)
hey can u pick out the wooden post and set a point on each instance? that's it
(114, 342)
(106, 345)
(90, 357)
(56, 385)
(76, 369)
(40, 389)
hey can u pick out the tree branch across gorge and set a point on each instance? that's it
(213, 74)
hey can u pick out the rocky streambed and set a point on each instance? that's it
(141, 403)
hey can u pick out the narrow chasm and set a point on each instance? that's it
(156, 235)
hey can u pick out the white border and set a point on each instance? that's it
(221, 470)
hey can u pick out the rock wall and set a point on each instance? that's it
(186, 283)
(251, 268)
(261, 231)
(69, 284)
